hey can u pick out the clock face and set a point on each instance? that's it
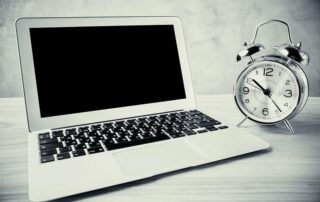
(267, 92)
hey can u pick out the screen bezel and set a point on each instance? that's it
(36, 122)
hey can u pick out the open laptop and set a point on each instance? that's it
(110, 100)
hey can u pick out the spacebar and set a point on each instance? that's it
(136, 142)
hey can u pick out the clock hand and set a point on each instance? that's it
(253, 86)
(264, 90)
(275, 103)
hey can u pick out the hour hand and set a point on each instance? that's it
(258, 84)
(253, 86)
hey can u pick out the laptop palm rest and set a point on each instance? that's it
(154, 159)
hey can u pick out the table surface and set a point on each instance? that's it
(289, 171)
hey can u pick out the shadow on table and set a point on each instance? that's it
(154, 178)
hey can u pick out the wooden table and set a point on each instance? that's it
(289, 171)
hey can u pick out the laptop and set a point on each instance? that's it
(110, 100)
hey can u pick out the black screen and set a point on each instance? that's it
(81, 69)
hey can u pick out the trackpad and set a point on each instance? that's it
(155, 159)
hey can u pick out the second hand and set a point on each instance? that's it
(253, 86)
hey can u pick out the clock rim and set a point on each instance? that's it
(281, 62)
(303, 79)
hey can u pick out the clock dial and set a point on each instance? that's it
(267, 92)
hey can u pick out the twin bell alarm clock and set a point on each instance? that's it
(272, 88)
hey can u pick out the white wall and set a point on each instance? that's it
(214, 32)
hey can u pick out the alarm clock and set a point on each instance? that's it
(272, 88)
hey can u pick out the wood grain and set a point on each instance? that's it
(289, 171)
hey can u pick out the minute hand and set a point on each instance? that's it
(275, 103)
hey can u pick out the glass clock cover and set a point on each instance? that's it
(267, 92)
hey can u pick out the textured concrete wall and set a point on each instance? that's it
(214, 31)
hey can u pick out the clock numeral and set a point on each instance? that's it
(265, 111)
(249, 80)
(286, 105)
(247, 101)
(287, 82)
(257, 72)
(279, 73)
(267, 71)
(254, 108)
(245, 90)
(288, 93)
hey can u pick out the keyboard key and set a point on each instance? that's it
(134, 137)
(95, 150)
(194, 112)
(122, 140)
(47, 141)
(152, 118)
(93, 133)
(80, 146)
(63, 156)
(43, 136)
(117, 129)
(189, 132)
(147, 135)
(108, 125)
(142, 120)
(165, 116)
(70, 142)
(95, 137)
(94, 144)
(96, 127)
(71, 131)
(176, 134)
(84, 129)
(173, 114)
(50, 146)
(45, 159)
(192, 126)
(210, 123)
(202, 131)
(212, 129)
(223, 127)
(119, 123)
(191, 122)
(48, 152)
(82, 135)
(58, 133)
(108, 142)
(64, 149)
(106, 132)
(79, 153)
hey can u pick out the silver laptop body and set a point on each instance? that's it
(110, 100)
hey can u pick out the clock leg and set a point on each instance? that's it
(289, 126)
(245, 118)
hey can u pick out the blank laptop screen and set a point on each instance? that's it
(81, 69)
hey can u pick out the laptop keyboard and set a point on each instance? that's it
(95, 138)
